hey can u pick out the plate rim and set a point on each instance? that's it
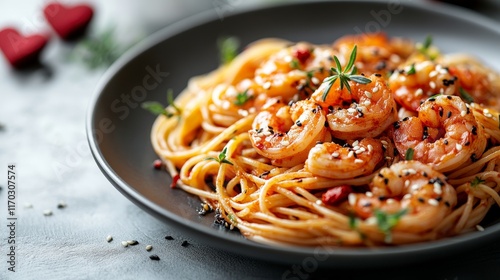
(295, 252)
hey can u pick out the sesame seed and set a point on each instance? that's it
(368, 94)
(488, 115)
(370, 148)
(391, 201)
(109, 238)
(360, 151)
(415, 187)
(124, 243)
(351, 198)
(384, 142)
(463, 113)
(47, 212)
(433, 74)
(185, 243)
(319, 202)
(168, 237)
(335, 154)
(355, 143)
(61, 205)
(350, 154)
(479, 228)
(315, 80)
(486, 111)
(358, 160)
(407, 196)
(433, 202)
(458, 147)
(419, 92)
(355, 148)
(407, 183)
(371, 221)
(149, 248)
(132, 242)
(267, 85)
(351, 110)
(432, 85)
(28, 205)
(369, 194)
(285, 142)
(367, 103)
(375, 89)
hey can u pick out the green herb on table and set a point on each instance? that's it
(344, 75)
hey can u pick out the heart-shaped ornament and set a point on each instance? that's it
(68, 22)
(21, 51)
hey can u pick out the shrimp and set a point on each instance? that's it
(299, 68)
(445, 134)
(366, 111)
(334, 161)
(285, 133)
(412, 84)
(413, 187)
(377, 53)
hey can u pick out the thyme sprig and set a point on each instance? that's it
(228, 49)
(344, 75)
(476, 181)
(157, 108)
(409, 154)
(465, 95)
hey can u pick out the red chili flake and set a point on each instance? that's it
(157, 164)
(336, 194)
(302, 54)
(176, 178)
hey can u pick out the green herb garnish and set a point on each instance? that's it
(228, 49)
(476, 181)
(409, 154)
(158, 109)
(295, 64)
(353, 221)
(412, 70)
(242, 98)
(221, 158)
(465, 95)
(427, 43)
(387, 221)
(346, 75)
(426, 48)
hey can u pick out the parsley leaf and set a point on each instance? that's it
(387, 221)
(465, 95)
(476, 181)
(228, 49)
(242, 98)
(412, 70)
(221, 158)
(345, 75)
(157, 108)
(409, 154)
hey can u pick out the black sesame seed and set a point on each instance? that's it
(330, 109)
(447, 204)
(432, 99)
(386, 181)
(298, 123)
(154, 257)
(259, 130)
(380, 175)
(314, 111)
(439, 198)
(367, 204)
(445, 141)
(382, 197)
(270, 127)
(185, 243)
(378, 75)
(473, 158)
(449, 114)
(441, 111)
(396, 125)
(425, 133)
(449, 97)
(168, 237)
(467, 143)
(468, 110)
(380, 66)
(421, 200)
(326, 123)
(474, 130)
(424, 174)
(405, 119)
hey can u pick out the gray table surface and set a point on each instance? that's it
(43, 113)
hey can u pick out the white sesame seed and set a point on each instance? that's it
(407, 183)
(335, 154)
(443, 72)
(360, 151)
(242, 112)
(315, 80)
(407, 196)
(358, 160)
(285, 142)
(384, 142)
(433, 202)
(486, 111)
(388, 158)
(124, 243)
(370, 148)
(441, 90)
(251, 110)
(369, 194)
(395, 58)
(488, 115)
(109, 238)
(402, 78)
(375, 89)
(438, 67)
(350, 154)
(433, 74)
(355, 143)
(226, 105)
(351, 110)
(458, 147)
(391, 201)
(351, 198)
(149, 248)
(47, 212)
(415, 187)
(432, 84)
(419, 92)
(356, 148)
(479, 228)
(367, 103)
(267, 85)
(28, 205)
(463, 113)
(371, 221)
(368, 94)
(288, 58)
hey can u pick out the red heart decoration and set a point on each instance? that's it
(21, 51)
(68, 22)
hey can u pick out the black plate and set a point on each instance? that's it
(118, 129)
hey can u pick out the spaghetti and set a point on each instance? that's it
(369, 141)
